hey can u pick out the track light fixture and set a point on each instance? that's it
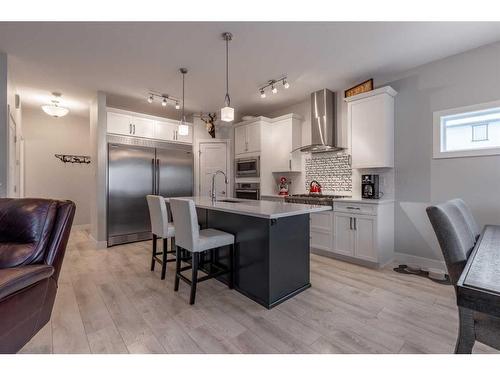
(164, 99)
(273, 83)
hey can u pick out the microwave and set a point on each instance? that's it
(248, 167)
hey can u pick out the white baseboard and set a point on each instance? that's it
(424, 263)
(98, 244)
(80, 227)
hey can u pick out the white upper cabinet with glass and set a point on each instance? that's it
(370, 118)
(467, 131)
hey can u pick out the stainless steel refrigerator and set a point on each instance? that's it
(137, 168)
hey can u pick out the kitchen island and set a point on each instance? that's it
(272, 245)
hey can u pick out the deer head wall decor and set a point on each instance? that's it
(209, 123)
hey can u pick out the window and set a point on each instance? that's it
(467, 131)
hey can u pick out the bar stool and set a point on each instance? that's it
(161, 228)
(190, 238)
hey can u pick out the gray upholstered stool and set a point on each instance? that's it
(189, 237)
(161, 228)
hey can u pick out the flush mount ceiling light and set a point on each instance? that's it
(54, 109)
(164, 99)
(227, 113)
(273, 83)
(183, 128)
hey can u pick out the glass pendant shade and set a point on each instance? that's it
(227, 114)
(183, 129)
(54, 110)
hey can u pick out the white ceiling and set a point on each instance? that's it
(127, 59)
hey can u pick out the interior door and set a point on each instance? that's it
(174, 172)
(343, 234)
(213, 157)
(13, 161)
(130, 179)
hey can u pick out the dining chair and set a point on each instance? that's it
(190, 238)
(457, 239)
(161, 228)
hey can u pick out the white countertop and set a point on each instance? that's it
(262, 209)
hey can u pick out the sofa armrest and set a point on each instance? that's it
(14, 279)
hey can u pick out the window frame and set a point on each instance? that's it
(438, 136)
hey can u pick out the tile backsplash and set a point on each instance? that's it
(331, 170)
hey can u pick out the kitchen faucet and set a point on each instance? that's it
(213, 192)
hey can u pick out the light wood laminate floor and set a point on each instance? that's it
(109, 302)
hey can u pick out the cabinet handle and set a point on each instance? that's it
(353, 208)
(129, 128)
(134, 128)
(290, 164)
(355, 224)
(350, 223)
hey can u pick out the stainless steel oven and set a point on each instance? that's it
(248, 167)
(248, 190)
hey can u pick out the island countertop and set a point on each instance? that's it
(256, 208)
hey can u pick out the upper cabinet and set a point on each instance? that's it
(370, 118)
(247, 138)
(285, 136)
(144, 126)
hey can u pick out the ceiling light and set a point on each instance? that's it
(286, 84)
(177, 105)
(150, 99)
(164, 102)
(262, 93)
(183, 129)
(227, 113)
(274, 89)
(54, 109)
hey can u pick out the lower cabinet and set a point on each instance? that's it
(363, 232)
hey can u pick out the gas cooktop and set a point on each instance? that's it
(319, 199)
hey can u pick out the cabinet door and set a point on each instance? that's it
(281, 144)
(240, 140)
(143, 127)
(365, 240)
(253, 137)
(343, 235)
(165, 130)
(119, 123)
(371, 132)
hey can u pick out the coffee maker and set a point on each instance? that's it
(369, 186)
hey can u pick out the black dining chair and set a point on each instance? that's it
(457, 233)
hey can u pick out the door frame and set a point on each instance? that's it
(196, 151)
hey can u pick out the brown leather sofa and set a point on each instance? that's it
(33, 238)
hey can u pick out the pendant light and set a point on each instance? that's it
(227, 113)
(183, 128)
(54, 109)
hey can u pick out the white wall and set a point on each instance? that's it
(45, 175)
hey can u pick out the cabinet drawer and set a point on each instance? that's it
(322, 220)
(355, 208)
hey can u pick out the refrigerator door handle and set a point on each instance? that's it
(153, 191)
(157, 176)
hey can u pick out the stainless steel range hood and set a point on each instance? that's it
(326, 136)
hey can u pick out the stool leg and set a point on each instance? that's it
(231, 266)
(164, 259)
(177, 267)
(194, 276)
(154, 253)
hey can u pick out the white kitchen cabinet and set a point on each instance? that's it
(145, 126)
(285, 136)
(370, 118)
(118, 123)
(343, 235)
(247, 138)
(365, 237)
(321, 229)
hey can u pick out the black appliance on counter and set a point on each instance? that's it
(370, 186)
